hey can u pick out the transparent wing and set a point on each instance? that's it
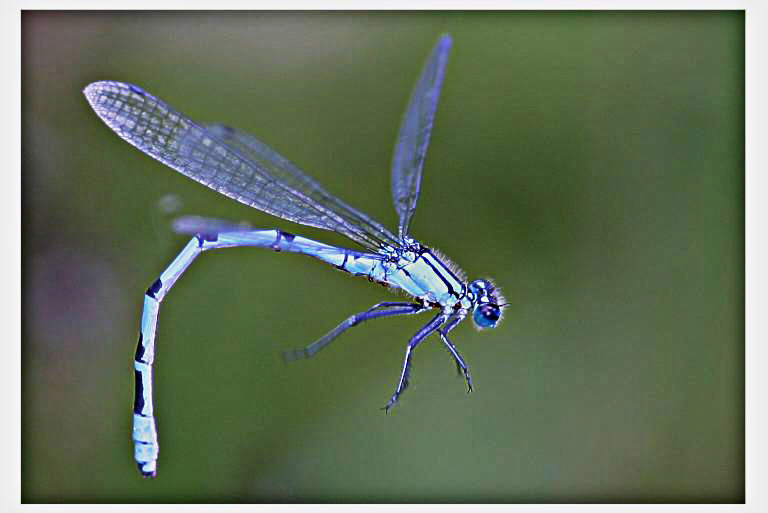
(229, 162)
(415, 129)
(290, 175)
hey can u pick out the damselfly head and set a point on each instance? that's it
(488, 304)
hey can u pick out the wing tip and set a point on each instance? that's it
(92, 90)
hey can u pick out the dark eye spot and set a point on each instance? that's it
(490, 312)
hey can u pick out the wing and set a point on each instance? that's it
(413, 138)
(229, 162)
(291, 176)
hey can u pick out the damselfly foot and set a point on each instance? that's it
(390, 404)
(468, 379)
(393, 400)
(464, 373)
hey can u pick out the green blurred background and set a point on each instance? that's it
(591, 163)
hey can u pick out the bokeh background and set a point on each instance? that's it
(592, 163)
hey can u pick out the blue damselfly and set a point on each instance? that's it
(245, 169)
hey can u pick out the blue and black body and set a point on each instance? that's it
(245, 169)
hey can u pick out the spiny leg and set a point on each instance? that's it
(461, 367)
(452, 321)
(394, 308)
(420, 335)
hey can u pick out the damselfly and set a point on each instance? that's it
(245, 169)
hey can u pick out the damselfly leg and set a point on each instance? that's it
(420, 335)
(392, 308)
(461, 367)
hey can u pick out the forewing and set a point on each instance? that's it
(413, 138)
(287, 173)
(210, 157)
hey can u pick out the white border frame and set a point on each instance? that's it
(756, 249)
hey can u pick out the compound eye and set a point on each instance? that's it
(487, 315)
